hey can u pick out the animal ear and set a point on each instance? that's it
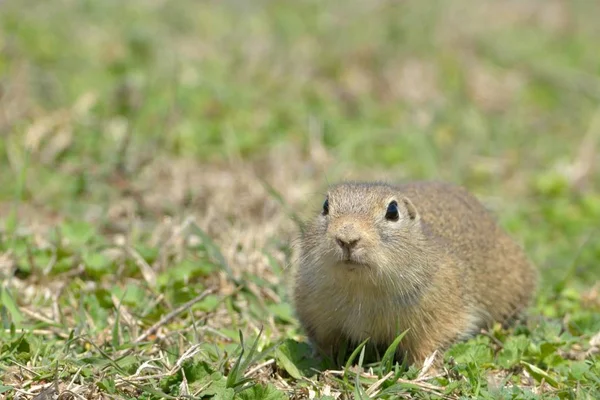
(411, 210)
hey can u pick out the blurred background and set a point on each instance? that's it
(151, 149)
(125, 114)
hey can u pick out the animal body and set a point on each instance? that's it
(423, 257)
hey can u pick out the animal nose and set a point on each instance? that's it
(347, 243)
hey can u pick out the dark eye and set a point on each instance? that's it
(392, 211)
(326, 207)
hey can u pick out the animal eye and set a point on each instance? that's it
(392, 213)
(326, 207)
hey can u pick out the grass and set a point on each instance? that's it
(156, 158)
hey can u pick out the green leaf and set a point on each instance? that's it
(18, 346)
(96, 264)
(296, 358)
(95, 309)
(78, 233)
(131, 295)
(5, 389)
(209, 304)
(196, 371)
(470, 351)
(578, 370)
(284, 360)
(513, 351)
(7, 302)
(184, 272)
(224, 394)
(283, 311)
(547, 349)
(63, 264)
(262, 392)
(149, 254)
(548, 354)
(539, 374)
(218, 387)
(108, 385)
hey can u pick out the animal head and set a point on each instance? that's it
(365, 232)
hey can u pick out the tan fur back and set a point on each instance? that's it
(504, 278)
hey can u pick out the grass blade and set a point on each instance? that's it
(388, 357)
(354, 354)
(7, 302)
(359, 392)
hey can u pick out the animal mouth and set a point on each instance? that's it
(351, 259)
(353, 262)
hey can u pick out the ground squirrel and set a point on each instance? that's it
(425, 257)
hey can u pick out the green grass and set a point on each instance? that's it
(152, 151)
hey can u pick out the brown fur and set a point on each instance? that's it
(443, 271)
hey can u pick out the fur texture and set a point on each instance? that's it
(443, 270)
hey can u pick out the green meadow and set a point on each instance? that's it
(156, 158)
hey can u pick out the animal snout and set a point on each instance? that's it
(347, 243)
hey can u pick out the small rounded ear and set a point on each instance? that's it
(410, 208)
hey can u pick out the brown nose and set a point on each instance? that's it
(347, 243)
